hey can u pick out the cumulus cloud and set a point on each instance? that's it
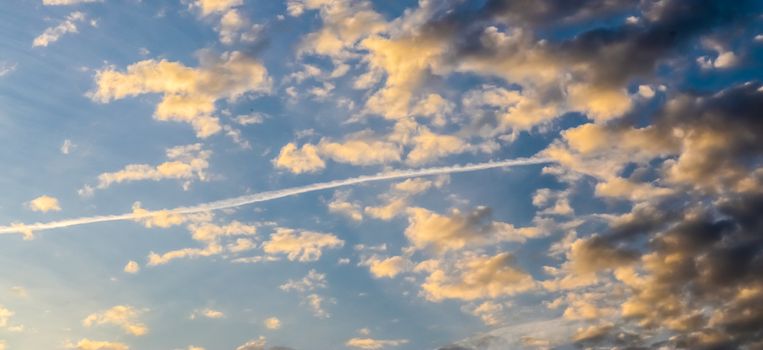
(44, 204)
(66, 2)
(304, 246)
(186, 163)
(474, 277)
(88, 344)
(188, 94)
(123, 316)
(272, 323)
(132, 267)
(208, 313)
(374, 344)
(427, 229)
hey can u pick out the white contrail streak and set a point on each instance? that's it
(270, 195)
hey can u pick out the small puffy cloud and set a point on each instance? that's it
(211, 249)
(66, 2)
(67, 146)
(88, 344)
(341, 204)
(272, 323)
(208, 313)
(428, 147)
(299, 160)
(360, 152)
(374, 344)
(7, 68)
(315, 302)
(183, 163)
(44, 204)
(356, 151)
(188, 94)
(254, 344)
(312, 281)
(211, 6)
(389, 267)
(489, 312)
(159, 218)
(304, 246)
(5, 316)
(52, 34)
(427, 229)
(132, 267)
(210, 232)
(124, 316)
(475, 277)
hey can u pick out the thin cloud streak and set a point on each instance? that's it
(271, 195)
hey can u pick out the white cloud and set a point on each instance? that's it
(374, 344)
(44, 204)
(254, 344)
(52, 34)
(312, 281)
(124, 316)
(6, 68)
(67, 146)
(183, 163)
(132, 267)
(272, 323)
(67, 2)
(304, 246)
(88, 344)
(208, 313)
(188, 94)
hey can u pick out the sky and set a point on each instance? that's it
(373, 174)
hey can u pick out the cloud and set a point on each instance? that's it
(188, 94)
(212, 248)
(44, 204)
(211, 6)
(132, 267)
(315, 302)
(304, 246)
(475, 277)
(312, 281)
(87, 344)
(7, 68)
(67, 146)
(427, 229)
(388, 267)
(184, 163)
(66, 2)
(272, 323)
(124, 316)
(5, 316)
(374, 344)
(52, 34)
(340, 204)
(299, 160)
(208, 313)
(254, 344)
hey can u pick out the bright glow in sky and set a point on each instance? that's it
(371, 174)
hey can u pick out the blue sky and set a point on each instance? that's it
(628, 219)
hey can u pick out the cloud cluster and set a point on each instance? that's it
(188, 94)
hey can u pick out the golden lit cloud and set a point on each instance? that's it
(124, 316)
(44, 204)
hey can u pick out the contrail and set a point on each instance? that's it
(270, 195)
